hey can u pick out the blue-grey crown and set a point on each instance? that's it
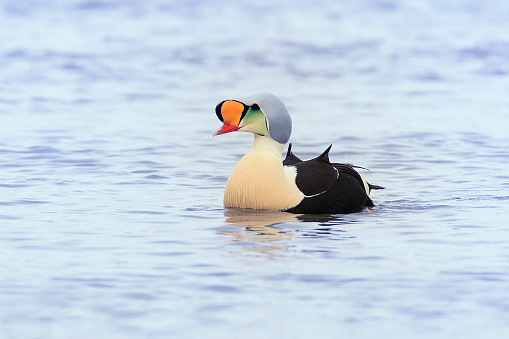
(279, 121)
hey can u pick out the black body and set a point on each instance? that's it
(328, 188)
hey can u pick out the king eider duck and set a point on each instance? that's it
(262, 181)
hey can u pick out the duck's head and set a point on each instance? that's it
(263, 114)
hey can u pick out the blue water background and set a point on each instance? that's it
(111, 185)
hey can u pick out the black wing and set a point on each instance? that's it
(317, 175)
(348, 168)
(308, 170)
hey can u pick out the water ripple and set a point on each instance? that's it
(112, 185)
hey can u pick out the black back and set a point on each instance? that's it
(317, 175)
(328, 188)
(290, 157)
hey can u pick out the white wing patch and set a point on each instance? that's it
(366, 186)
(291, 174)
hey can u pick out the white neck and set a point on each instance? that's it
(267, 145)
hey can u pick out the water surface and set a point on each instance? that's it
(111, 186)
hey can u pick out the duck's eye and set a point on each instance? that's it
(255, 107)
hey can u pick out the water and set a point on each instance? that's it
(111, 184)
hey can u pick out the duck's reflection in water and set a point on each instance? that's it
(262, 231)
(258, 226)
